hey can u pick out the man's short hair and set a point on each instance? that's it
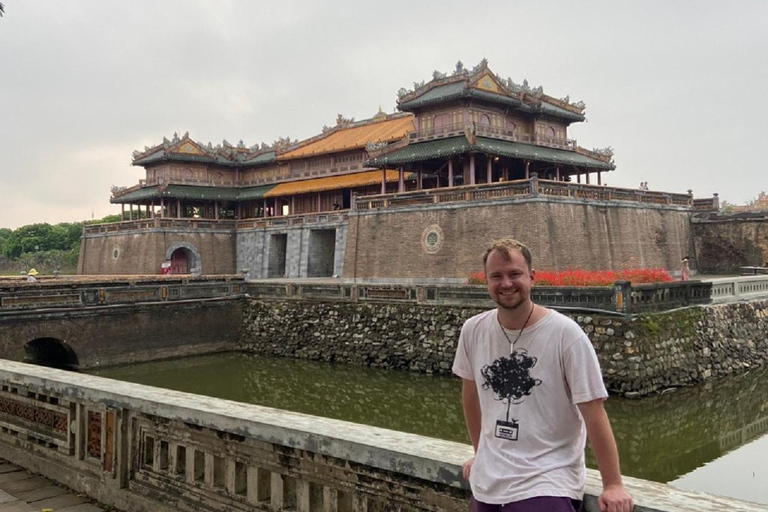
(504, 246)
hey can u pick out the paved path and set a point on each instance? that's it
(21, 491)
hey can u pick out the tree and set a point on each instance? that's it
(510, 377)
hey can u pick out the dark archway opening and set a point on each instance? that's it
(51, 352)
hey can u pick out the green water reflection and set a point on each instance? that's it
(660, 438)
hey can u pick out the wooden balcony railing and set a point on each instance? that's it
(492, 132)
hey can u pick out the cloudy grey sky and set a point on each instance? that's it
(677, 88)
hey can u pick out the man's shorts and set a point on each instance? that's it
(537, 504)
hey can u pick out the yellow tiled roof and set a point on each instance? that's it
(354, 137)
(360, 179)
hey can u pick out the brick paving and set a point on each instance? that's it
(21, 491)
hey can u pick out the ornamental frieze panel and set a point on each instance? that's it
(57, 421)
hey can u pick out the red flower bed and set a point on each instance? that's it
(589, 277)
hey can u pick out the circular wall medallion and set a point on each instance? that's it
(432, 239)
(115, 253)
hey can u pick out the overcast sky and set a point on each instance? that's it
(676, 88)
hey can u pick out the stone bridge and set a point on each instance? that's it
(147, 449)
(83, 324)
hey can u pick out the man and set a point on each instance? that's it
(532, 393)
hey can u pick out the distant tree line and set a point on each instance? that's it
(43, 246)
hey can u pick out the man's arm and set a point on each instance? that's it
(470, 401)
(614, 497)
(472, 415)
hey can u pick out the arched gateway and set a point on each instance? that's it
(184, 258)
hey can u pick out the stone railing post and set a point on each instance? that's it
(690, 198)
(622, 296)
(534, 184)
(353, 205)
(716, 201)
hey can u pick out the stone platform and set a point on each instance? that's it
(21, 491)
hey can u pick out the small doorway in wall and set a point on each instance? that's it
(346, 199)
(179, 262)
(278, 243)
(321, 255)
(51, 352)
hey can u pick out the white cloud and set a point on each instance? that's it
(674, 87)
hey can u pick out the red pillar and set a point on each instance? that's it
(472, 169)
(489, 171)
(527, 169)
(383, 181)
(401, 180)
(450, 172)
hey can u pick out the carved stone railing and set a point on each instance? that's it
(521, 188)
(294, 220)
(74, 293)
(707, 204)
(159, 223)
(141, 448)
(729, 289)
(622, 297)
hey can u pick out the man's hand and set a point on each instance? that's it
(614, 499)
(467, 467)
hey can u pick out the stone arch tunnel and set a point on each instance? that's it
(98, 336)
(51, 352)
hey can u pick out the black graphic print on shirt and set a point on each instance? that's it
(510, 378)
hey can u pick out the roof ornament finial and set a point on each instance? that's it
(380, 115)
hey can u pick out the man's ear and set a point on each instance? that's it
(533, 275)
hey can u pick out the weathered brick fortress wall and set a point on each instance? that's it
(562, 234)
(725, 242)
(638, 355)
(142, 251)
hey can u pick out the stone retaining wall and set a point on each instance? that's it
(639, 354)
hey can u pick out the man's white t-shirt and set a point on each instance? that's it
(532, 435)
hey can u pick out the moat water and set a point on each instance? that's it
(708, 438)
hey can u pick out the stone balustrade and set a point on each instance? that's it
(64, 292)
(534, 187)
(141, 448)
(159, 223)
(623, 297)
(729, 289)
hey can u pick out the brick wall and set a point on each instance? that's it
(561, 234)
(123, 334)
(142, 252)
(726, 242)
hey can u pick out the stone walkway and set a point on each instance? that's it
(21, 491)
